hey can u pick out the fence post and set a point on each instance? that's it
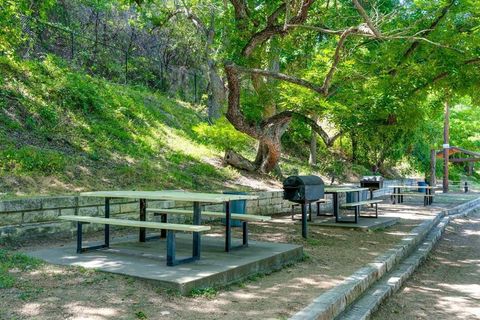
(126, 67)
(195, 86)
(72, 44)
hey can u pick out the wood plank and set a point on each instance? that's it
(236, 216)
(343, 189)
(138, 224)
(414, 187)
(360, 203)
(170, 195)
(413, 194)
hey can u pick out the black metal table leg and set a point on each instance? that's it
(245, 233)
(79, 240)
(107, 227)
(163, 219)
(335, 206)
(356, 209)
(197, 218)
(228, 227)
(304, 220)
(171, 248)
(79, 237)
(143, 217)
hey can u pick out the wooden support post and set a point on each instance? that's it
(433, 167)
(446, 146)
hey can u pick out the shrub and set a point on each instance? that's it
(223, 136)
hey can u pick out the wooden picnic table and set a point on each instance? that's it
(196, 197)
(397, 195)
(335, 191)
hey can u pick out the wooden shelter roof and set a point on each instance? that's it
(473, 156)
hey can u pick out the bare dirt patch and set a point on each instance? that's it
(447, 285)
(332, 254)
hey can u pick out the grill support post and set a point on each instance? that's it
(304, 220)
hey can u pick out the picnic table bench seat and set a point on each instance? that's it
(170, 227)
(357, 205)
(244, 218)
(360, 203)
(213, 214)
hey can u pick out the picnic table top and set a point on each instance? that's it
(414, 187)
(343, 189)
(170, 195)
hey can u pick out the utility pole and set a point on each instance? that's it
(446, 146)
(433, 167)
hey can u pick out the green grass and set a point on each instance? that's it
(64, 131)
(13, 262)
(204, 292)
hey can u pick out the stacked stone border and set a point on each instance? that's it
(332, 303)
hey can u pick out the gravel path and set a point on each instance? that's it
(447, 285)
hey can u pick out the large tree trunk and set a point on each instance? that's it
(216, 93)
(216, 87)
(312, 159)
(354, 147)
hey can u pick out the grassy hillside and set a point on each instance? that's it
(62, 131)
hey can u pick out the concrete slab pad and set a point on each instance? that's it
(148, 260)
(363, 224)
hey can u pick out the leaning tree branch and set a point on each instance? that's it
(286, 116)
(367, 19)
(234, 113)
(281, 76)
(240, 8)
(336, 59)
(189, 15)
(443, 75)
(275, 29)
(415, 44)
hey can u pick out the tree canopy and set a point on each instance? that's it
(368, 79)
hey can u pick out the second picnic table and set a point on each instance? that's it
(397, 195)
(335, 191)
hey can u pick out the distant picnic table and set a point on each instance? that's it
(397, 194)
(336, 190)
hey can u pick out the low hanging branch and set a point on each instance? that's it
(283, 77)
(367, 19)
(443, 75)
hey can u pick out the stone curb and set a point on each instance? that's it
(333, 302)
(373, 297)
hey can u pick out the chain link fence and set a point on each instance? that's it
(123, 61)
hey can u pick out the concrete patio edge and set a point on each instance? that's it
(333, 302)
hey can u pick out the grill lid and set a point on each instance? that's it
(295, 181)
(372, 178)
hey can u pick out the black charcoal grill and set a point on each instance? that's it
(372, 183)
(303, 190)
